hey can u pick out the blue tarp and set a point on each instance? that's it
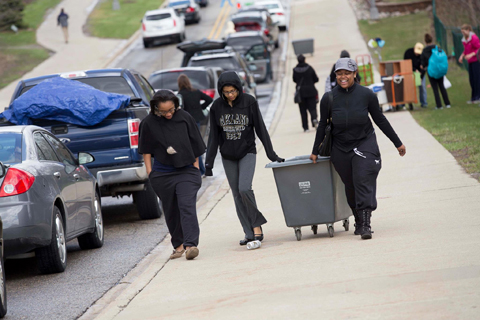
(64, 100)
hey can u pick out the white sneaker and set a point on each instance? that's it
(448, 106)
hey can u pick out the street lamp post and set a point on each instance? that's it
(373, 11)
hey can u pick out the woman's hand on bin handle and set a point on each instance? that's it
(313, 157)
(208, 172)
(402, 150)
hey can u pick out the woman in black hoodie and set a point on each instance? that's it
(234, 119)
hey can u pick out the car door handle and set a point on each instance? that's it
(57, 174)
(76, 176)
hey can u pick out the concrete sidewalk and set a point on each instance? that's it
(423, 261)
(81, 53)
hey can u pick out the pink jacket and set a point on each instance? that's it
(472, 44)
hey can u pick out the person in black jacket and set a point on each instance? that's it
(234, 119)
(436, 83)
(414, 54)
(305, 78)
(170, 135)
(191, 103)
(355, 153)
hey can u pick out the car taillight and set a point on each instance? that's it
(266, 31)
(16, 182)
(190, 9)
(279, 14)
(210, 92)
(133, 127)
(174, 22)
(143, 27)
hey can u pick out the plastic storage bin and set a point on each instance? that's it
(310, 194)
(302, 46)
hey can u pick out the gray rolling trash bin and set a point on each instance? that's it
(302, 46)
(310, 194)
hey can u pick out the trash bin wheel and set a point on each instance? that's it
(315, 229)
(346, 224)
(298, 234)
(330, 231)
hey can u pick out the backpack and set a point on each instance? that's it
(438, 63)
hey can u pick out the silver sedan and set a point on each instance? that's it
(47, 197)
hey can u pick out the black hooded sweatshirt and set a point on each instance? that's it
(233, 128)
(305, 77)
(351, 124)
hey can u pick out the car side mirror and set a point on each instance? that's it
(85, 157)
(3, 170)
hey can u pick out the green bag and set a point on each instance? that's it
(418, 78)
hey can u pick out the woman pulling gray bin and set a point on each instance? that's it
(310, 194)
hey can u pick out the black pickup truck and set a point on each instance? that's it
(118, 166)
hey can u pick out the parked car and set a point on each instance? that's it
(47, 197)
(228, 60)
(162, 24)
(188, 8)
(277, 12)
(202, 3)
(118, 167)
(256, 19)
(201, 78)
(255, 48)
(3, 285)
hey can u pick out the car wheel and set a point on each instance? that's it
(276, 44)
(181, 37)
(148, 204)
(53, 258)
(146, 44)
(3, 286)
(94, 240)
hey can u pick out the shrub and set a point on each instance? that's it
(11, 12)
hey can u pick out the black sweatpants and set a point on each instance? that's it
(359, 170)
(474, 77)
(436, 84)
(309, 104)
(178, 192)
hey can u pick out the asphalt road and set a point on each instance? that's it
(127, 238)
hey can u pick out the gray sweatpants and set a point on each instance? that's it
(240, 175)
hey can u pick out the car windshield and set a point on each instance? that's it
(271, 6)
(10, 147)
(168, 80)
(242, 44)
(156, 17)
(108, 84)
(224, 63)
(179, 3)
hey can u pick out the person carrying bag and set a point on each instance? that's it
(354, 151)
(306, 94)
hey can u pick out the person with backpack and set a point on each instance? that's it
(355, 153)
(435, 62)
(471, 45)
(305, 78)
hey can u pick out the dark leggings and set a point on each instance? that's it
(438, 83)
(309, 104)
(474, 77)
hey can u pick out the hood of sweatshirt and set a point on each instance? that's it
(301, 67)
(229, 78)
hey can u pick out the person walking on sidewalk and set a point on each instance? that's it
(170, 135)
(355, 153)
(62, 20)
(234, 119)
(414, 55)
(435, 83)
(471, 45)
(305, 78)
(191, 103)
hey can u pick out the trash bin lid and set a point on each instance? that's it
(295, 161)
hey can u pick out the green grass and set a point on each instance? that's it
(19, 52)
(458, 128)
(120, 24)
